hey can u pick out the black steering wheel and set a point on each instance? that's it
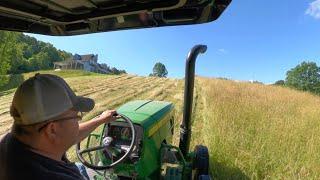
(104, 146)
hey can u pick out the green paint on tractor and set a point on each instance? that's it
(149, 115)
(146, 113)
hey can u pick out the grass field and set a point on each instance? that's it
(253, 131)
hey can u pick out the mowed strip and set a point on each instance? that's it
(109, 92)
(124, 94)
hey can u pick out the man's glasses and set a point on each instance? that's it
(78, 116)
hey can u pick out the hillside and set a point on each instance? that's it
(253, 131)
(22, 53)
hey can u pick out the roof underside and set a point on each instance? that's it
(70, 17)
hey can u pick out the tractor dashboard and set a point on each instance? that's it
(118, 134)
(121, 134)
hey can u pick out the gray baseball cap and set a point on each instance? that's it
(43, 97)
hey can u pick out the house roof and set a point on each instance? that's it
(86, 57)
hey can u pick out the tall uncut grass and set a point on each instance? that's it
(258, 132)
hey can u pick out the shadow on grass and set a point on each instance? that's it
(12, 81)
(221, 172)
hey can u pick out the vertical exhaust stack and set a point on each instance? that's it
(185, 128)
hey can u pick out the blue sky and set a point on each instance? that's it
(253, 40)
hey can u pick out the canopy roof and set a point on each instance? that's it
(72, 17)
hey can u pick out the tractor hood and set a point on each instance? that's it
(146, 112)
(72, 17)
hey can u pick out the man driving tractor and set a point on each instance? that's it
(46, 113)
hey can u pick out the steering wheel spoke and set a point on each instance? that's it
(92, 149)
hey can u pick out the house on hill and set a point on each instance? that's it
(88, 62)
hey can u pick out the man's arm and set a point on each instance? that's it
(86, 128)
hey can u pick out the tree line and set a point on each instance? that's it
(304, 77)
(20, 53)
(113, 70)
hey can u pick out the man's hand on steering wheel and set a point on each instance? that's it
(108, 116)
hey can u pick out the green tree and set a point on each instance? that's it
(10, 53)
(159, 70)
(64, 55)
(305, 77)
(40, 61)
(280, 83)
(117, 71)
(17, 60)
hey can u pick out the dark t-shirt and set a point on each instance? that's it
(18, 162)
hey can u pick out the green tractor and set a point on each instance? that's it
(138, 145)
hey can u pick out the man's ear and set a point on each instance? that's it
(51, 130)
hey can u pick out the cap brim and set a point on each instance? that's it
(84, 104)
